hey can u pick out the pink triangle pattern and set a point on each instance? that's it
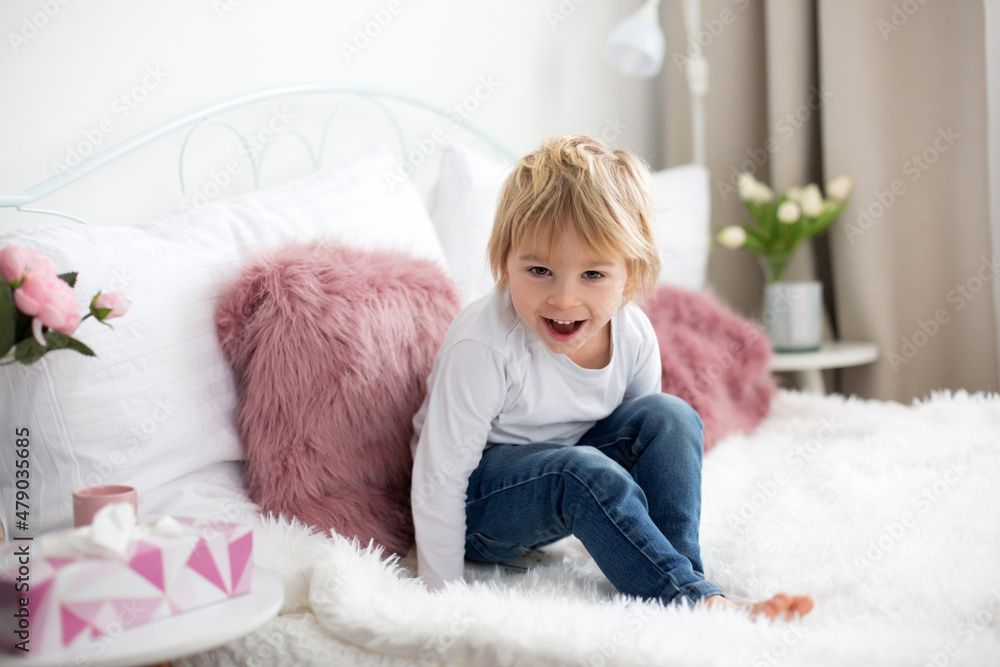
(37, 607)
(149, 564)
(136, 611)
(85, 609)
(57, 562)
(173, 575)
(72, 625)
(240, 551)
(201, 561)
(245, 583)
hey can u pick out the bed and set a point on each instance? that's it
(887, 514)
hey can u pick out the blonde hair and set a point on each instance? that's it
(580, 184)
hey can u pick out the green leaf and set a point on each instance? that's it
(8, 319)
(23, 326)
(824, 220)
(754, 233)
(69, 278)
(769, 220)
(61, 340)
(754, 246)
(28, 351)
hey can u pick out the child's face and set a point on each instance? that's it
(569, 285)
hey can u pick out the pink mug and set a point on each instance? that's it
(88, 500)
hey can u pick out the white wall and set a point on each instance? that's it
(64, 69)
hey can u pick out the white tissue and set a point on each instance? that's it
(113, 528)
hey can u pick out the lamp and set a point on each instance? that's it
(636, 45)
(636, 49)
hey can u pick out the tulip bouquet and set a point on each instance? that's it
(38, 309)
(783, 222)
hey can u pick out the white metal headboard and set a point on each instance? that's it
(207, 115)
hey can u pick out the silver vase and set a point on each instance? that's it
(793, 315)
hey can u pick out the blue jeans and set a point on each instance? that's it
(630, 490)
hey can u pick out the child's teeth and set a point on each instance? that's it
(561, 322)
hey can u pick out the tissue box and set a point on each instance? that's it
(55, 603)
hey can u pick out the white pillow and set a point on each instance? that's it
(466, 203)
(682, 198)
(155, 408)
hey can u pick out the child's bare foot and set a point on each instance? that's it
(782, 604)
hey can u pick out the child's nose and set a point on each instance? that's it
(563, 295)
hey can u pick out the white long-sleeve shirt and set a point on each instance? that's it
(494, 381)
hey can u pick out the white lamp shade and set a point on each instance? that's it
(636, 47)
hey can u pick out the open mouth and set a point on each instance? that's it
(563, 329)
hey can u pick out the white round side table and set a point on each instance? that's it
(831, 354)
(178, 636)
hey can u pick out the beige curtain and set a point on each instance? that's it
(892, 92)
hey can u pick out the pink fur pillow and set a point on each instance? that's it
(331, 347)
(713, 359)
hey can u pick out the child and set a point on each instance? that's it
(544, 415)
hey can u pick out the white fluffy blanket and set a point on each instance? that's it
(889, 515)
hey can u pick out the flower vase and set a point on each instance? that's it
(792, 311)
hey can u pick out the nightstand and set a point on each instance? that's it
(831, 354)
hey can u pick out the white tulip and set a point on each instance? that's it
(795, 194)
(762, 194)
(732, 236)
(747, 186)
(753, 190)
(812, 200)
(789, 212)
(840, 187)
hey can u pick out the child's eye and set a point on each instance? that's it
(593, 275)
(539, 270)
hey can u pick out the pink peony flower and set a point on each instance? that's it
(115, 302)
(49, 299)
(15, 261)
